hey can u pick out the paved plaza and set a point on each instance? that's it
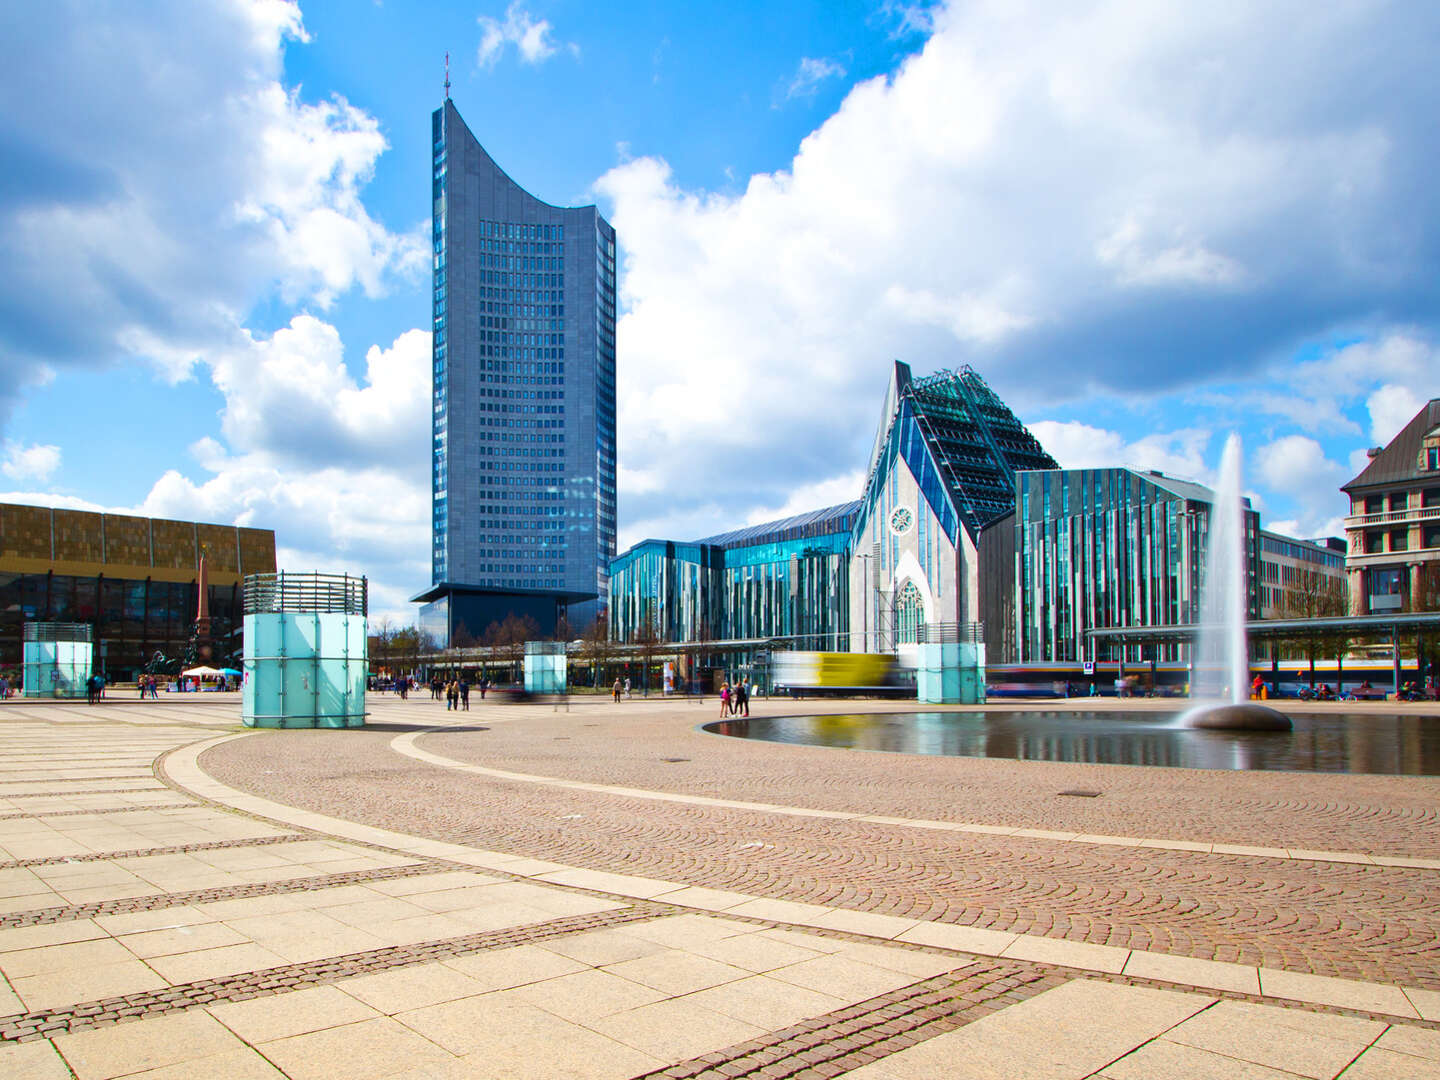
(605, 891)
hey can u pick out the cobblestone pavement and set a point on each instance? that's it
(146, 930)
(1375, 923)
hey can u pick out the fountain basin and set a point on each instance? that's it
(1242, 717)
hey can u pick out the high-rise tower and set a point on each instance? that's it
(523, 454)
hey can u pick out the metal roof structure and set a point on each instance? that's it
(1259, 629)
(1396, 463)
(831, 519)
(978, 443)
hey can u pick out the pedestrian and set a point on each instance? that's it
(452, 695)
(627, 686)
(615, 690)
(744, 702)
(725, 698)
(92, 690)
(484, 685)
(464, 693)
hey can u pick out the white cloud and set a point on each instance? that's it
(831, 492)
(292, 398)
(811, 73)
(34, 463)
(1076, 445)
(531, 37)
(1076, 199)
(1297, 467)
(202, 184)
(1391, 408)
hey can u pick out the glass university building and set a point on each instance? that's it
(787, 578)
(523, 454)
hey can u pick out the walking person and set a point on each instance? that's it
(724, 698)
(464, 693)
(452, 695)
(615, 691)
(744, 702)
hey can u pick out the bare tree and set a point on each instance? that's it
(646, 640)
(382, 643)
(1312, 594)
(596, 648)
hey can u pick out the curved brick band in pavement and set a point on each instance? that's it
(1362, 922)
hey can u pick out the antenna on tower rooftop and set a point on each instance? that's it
(447, 76)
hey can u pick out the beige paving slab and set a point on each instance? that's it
(501, 969)
(912, 962)
(32, 1061)
(686, 931)
(414, 931)
(623, 884)
(1079, 954)
(588, 995)
(214, 963)
(709, 899)
(677, 972)
(500, 916)
(864, 922)
(510, 1038)
(784, 911)
(972, 939)
(55, 958)
(423, 883)
(841, 977)
(9, 1001)
(757, 952)
(362, 1051)
(296, 1013)
(1165, 1059)
(121, 1049)
(800, 939)
(1304, 1043)
(767, 1003)
(675, 1030)
(1377, 1064)
(600, 947)
(244, 1064)
(20, 938)
(1066, 1033)
(182, 939)
(160, 919)
(1211, 974)
(303, 948)
(1417, 1041)
(404, 989)
(1346, 993)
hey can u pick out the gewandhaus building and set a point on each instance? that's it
(134, 580)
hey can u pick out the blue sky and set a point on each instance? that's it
(1145, 227)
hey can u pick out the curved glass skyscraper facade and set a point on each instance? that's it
(523, 454)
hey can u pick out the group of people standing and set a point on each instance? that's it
(456, 691)
(735, 699)
(148, 687)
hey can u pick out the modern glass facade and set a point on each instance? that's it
(523, 453)
(942, 467)
(1101, 548)
(133, 579)
(782, 579)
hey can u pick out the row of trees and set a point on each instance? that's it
(1313, 595)
(402, 648)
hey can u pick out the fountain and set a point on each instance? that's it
(1222, 656)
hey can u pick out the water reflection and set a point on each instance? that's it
(1395, 745)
